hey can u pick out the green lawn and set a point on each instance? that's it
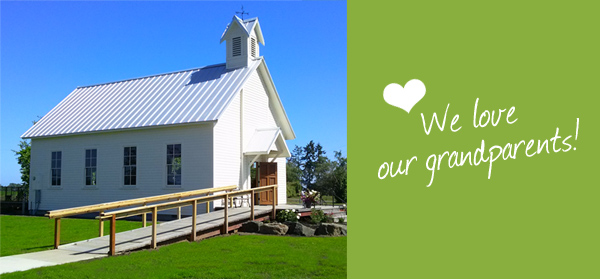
(235, 256)
(26, 234)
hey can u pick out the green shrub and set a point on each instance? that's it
(290, 215)
(293, 189)
(318, 216)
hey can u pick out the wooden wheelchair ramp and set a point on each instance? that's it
(208, 224)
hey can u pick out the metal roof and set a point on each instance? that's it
(189, 96)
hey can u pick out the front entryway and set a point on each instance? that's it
(267, 175)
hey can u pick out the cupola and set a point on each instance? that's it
(243, 38)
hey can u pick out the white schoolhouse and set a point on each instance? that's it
(166, 133)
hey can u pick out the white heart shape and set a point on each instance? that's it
(405, 98)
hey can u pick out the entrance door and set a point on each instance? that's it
(267, 175)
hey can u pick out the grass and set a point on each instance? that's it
(26, 234)
(235, 256)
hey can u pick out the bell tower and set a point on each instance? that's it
(242, 39)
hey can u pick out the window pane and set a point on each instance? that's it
(88, 180)
(58, 155)
(170, 180)
(178, 180)
(169, 159)
(53, 156)
(133, 171)
(58, 163)
(88, 172)
(126, 151)
(126, 180)
(169, 149)
(94, 162)
(126, 161)
(133, 180)
(177, 149)
(127, 171)
(87, 153)
(133, 160)
(133, 151)
(94, 153)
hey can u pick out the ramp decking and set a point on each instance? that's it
(208, 224)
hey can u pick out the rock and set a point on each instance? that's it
(274, 228)
(296, 228)
(251, 227)
(331, 229)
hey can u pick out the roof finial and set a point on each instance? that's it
(242, 13)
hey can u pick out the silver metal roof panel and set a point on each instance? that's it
(196, 95)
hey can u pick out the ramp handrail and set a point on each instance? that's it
(181, 203)
(60, 213)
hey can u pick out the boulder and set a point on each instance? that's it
(331, 229)
(251, 227)
(296, 228)
(274, 228)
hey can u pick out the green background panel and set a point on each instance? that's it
(536, 217)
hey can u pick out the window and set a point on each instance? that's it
(237, 46)
(174, 164)
(253, 47)
(90, 166)
(129, 165)
(55, 168)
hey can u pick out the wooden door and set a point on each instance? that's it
(267, 175)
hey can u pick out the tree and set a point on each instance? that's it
(24, 158)
(294, 173)
(332, 177)
(339, 177)
(312, 157)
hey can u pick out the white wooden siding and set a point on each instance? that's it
(227, 150)
(257, 110)
(197, 168)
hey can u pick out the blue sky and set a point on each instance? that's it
(50, 48)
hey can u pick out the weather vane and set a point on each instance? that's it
(242, 13)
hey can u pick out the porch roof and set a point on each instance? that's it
(267, 141)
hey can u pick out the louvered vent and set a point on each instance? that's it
(253, 44)
(237, 46)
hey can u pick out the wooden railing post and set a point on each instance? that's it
(101, 228)
(56, 233)
(207, 205)
(225, 221)
(154, 219)
(113, 224)
(179, 211)
(194, 212)
(273, 213)
(144, 218)
(252, 205)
